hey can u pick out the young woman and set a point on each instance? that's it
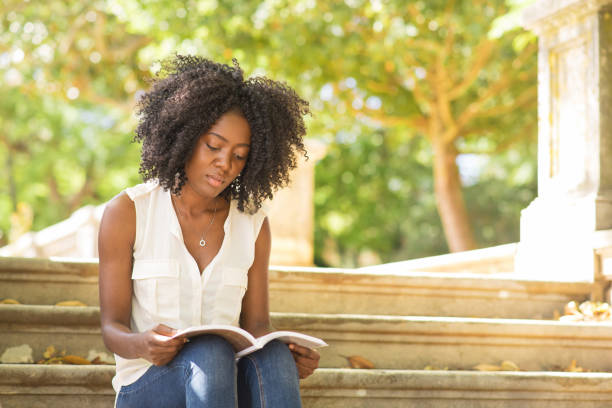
(191, 245)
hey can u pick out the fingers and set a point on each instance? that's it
(306, 360)
(164, 330)
(160, 347)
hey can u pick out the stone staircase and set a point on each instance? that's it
(400, 319)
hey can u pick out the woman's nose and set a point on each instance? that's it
(223, 161)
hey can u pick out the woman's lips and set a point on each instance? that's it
(214, 181)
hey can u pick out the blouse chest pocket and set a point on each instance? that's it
(229, 299)
(157, 288)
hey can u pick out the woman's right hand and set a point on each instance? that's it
(158, 346)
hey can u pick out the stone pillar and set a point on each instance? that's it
(574, 139)
(291, 214)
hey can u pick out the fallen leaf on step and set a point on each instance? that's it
(595, 310)
(9, 302)
(574, 368)
(487, 367)
(509, 366)
(586, 311)
(76, 360)
(571, 308)
(359, 362)
(50, 352)
(52, 360)
(98, 360)
(70, 303)
(434, 368)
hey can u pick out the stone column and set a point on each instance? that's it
(291, 214)
(574, 139)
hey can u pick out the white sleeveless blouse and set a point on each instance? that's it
(167, 285)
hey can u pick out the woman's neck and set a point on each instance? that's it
(193, 204)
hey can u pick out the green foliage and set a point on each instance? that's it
(375, 196)
(72, 71)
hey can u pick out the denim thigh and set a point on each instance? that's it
(202, 374)
(268, 378)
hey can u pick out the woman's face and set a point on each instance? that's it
(219, 155)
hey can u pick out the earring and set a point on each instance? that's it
(235, 184)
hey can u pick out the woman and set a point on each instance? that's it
(191, 245)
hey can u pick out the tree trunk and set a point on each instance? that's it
(449, 198)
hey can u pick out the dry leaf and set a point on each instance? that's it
(571, 308)
(359, 362)
(586, 311)
(9, 302)
(50, 352)
(574, 368)
(52, 360)
(70, 303)
(509, 366)
(76, 360)
(487, 367)
(434, 368)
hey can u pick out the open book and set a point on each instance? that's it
(244, 343)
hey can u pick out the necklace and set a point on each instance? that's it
(202, 240)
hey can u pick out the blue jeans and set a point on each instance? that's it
(204, 374)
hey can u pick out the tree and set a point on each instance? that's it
(426, 68)
(427, 71)
(70, 79)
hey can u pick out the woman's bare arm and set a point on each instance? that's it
(255, 316)
(115, 246)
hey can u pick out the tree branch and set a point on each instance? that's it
(483, 52)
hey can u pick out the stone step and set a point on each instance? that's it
(415, 342)
(326, 290)
(75, 330)
(491, 260)
(342, 388)
(390, 342)
(39, 281)
(56, 386)
(382, 292)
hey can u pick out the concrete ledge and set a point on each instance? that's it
(409, 342)
(388, 290)
(77, 386)
(391, 342)
(48, 281)
(399, 292)
(73, 329)
(56, 386)
(497, 259)
(333, 388)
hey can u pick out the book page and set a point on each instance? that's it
(292, 337)
(237, 337)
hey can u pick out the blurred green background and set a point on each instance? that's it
(427, 109)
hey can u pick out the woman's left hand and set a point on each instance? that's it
(306, 360)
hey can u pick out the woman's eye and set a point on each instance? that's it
(238, 157)
(212, 147)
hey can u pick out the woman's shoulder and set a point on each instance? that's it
(251, 218)
(142, 189)
(120, 207)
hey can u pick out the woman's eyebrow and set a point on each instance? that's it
(226, 141)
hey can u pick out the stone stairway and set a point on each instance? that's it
(401, 321)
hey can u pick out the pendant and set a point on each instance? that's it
(202, 242)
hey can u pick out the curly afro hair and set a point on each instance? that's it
(189, 94)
